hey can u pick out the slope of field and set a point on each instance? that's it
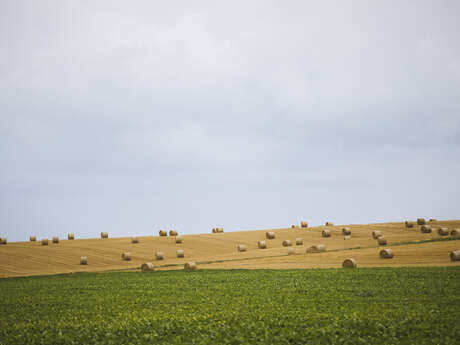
(317, 306)
(219, 250)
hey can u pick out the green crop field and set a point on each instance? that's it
(327, 306)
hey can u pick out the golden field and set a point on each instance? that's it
(219, 250)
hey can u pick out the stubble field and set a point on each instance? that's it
(215, 251)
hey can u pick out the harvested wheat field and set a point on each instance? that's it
(219, 250)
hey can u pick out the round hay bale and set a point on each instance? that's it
(386, 253)
(376, 234)
(270, 235)
(346, 231)
(241, 248)
(190, 266)
(349, 263)
(126, 256)
(408, 224)
(299, 241)
(3, 240)
(382, 241)
(217, 230)
(159, 255)
(421, 221)
(291, 251)
(287, 243)
(162, 233)
(104, 235)
(147, 267)
(70, 236)
(316, 248)
(220, 230)
(304, 224)
(347, 237)
(426, 229)
(83, 260)
(326, 233)
(455, 232)
(294, 226)
(134, 240)
(180, 253)
(214, 230)
(32, 238)
(44, 242)
(55, 239)
(455, 255)
(329, 224)
(173, 233)
(262, 245)
(443, 231)
(432, 220)
(178, 239)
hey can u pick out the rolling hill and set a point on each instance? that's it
(219, 250)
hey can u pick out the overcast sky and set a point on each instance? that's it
(130, 117)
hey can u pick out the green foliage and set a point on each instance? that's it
(329, 306)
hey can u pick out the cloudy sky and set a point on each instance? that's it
(130, 117)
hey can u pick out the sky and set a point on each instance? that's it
(131, 117)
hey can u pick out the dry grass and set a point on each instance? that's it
(211, 251)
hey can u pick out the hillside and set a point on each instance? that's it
(219, 250)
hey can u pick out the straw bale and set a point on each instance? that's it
(426, 229)
(147, 267)
(421, 221)
(190, 266)
(326, 233)
(455, 255)
(287, 243)
(241, 248)
(386, 253)
(376, 234)
(346, 231)
(270, 235)
(316, 248)
(262, 245)
(443, 231)
(349, 263)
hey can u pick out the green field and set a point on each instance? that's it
(327, 306)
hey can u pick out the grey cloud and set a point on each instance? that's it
(248, 115)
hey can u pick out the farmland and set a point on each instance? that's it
(219, 250)
(317, 306)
